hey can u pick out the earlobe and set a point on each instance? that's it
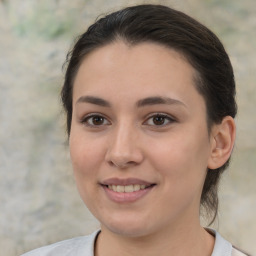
(222, 142)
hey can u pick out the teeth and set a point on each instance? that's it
(119, 188)
(126, 189)
(136, 187)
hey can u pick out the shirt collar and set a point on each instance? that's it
(221, 247)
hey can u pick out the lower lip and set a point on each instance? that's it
(120, 197)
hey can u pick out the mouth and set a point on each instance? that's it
(128, 188)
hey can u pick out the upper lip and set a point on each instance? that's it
(125, 182)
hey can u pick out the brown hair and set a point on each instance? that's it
(176, 30)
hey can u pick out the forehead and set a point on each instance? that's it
(151, 54)
(120, 69)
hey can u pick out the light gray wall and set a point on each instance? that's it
(38, 199)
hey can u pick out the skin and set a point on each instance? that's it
(125, 140)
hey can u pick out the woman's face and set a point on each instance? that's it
(139, 141)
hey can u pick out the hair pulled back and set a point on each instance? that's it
(176, 30)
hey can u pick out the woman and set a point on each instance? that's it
(150, 100)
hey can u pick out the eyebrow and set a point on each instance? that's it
(149, 101)
(94, 100)
(158, 100)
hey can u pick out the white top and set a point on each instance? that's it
(84, 246)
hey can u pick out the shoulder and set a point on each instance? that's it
(238, 252)
(83, 245)
(223, 247)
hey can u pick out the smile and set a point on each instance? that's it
(126, 189)
(127, 193)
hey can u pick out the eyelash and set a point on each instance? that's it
(160, 115)
(90, 117)
(87, 118)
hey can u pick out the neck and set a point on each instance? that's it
(190, 240)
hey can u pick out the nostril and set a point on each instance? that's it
(123, 157)
(122, 165)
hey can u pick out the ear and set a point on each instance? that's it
(222, 142)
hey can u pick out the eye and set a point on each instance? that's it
(159, 120)
(95, 120)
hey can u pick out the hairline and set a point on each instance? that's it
(197, 79)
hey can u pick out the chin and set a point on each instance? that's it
(129, 228)
(128, 231)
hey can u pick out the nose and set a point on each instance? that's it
(124, 149)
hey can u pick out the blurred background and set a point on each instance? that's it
(39, 203)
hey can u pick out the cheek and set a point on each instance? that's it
(86, 154)
(84, 148)
(181, 158)
(182, 167)
(85, 162)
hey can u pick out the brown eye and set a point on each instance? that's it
(95, 120)
(159, 120)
